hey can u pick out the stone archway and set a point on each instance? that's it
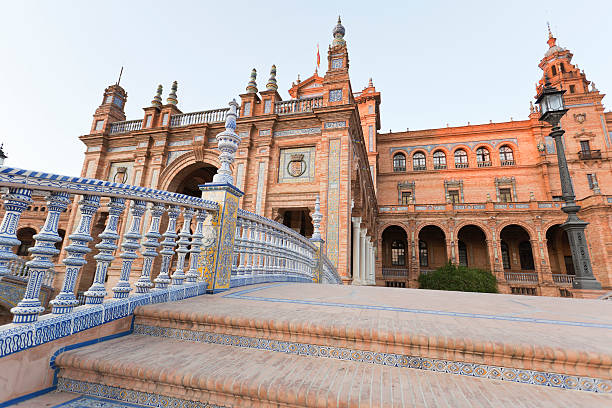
(395, 253)
(559, 252)
(432, 248)
(187, 180)
(472, 247)
(517, 254)
(26, 236)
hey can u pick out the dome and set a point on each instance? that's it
(554, 49)
(338, 33)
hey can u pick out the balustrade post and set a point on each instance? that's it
(144, 284)
(237, 249)
(196, 247)
(244, 250)
(163, 279)
(65, 301)
(15, 202)
(178, 277)
(97, 291)
(28, 309)
(130, 245)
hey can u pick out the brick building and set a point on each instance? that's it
(395, 204)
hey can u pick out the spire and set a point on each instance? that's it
(228, 142)
(271, 85)
(157, 100)
(338, 33)
(252, 85)
(172, 96)
(552, 41)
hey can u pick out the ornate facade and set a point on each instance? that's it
(394, 204)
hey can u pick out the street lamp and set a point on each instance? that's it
(552, 108)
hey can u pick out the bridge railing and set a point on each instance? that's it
(18, 269)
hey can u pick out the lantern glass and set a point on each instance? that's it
(556, 102)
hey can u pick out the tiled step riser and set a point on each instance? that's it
(434, 348)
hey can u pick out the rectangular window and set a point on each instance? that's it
(505, 195)
(148, 121)
(398, 257)
(165, 119)
(99, 124)
(371, 138)
(592, 179)
(585, 146)
(572, 88)
(267, 105)
(454, 197)
(371, 109)
(406, 197)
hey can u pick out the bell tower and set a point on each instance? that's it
(336, 79)
(112, 109)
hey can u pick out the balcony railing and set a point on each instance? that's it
(461, 165)
(419, 168)
(194, 118)
(484, 164)
(293, 106)
(589, 154)
(507, 162)
(395, 272)
(20, 270)
(439, 166)
(125, 127)
(521, 277)
(562, 279)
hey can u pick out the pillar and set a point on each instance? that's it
(362, 257)
(356, 247)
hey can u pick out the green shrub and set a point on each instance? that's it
(459, 278)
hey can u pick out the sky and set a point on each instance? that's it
(434, 62)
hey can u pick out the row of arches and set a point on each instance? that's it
(460, 155)
(432, 248)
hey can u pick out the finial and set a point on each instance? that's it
(271, 85)
(298, 79)
(171, 99)
(252, 85)
(120, 73)
(157, 100)
(338, 33)
(549, 32)
(227, 143)
(316, 220)
(370, 84)
(551, 39)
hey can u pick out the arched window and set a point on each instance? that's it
(398, 253)
(505, 255)
(562, 67)
(418, 161)
(554, 70)
(463, 256)
(423, 254)
(461, 160)
(526, 256)
(439, 160)
(506, 156)
(399, 162)
(482, 157)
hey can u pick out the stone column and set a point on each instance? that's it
(356, 247)
(373, 263)
(368, 256)
(362, 257)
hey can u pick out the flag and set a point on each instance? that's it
(318, 57)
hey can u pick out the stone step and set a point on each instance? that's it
(154, 371)
(569, 339)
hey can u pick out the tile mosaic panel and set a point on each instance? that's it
(297, 165)
(333, 202)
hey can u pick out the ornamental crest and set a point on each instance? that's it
(296, 166)
(580, 117)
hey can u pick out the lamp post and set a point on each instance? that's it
(552, 108)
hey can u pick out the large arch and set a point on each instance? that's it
(517, 253)
(395, 252)
(472, 247)
(559, 252)
(26, 236)
(432, 247)
(187, 180)
(183, 164)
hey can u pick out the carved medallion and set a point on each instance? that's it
(297, 165)
(580, 117)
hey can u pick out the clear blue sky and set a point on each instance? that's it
(435, 62)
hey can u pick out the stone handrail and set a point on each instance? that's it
(125, 126)
(330, 274)
(521, 277)
(298, 105)
(395, 272)
(562, 279)
(193, 118)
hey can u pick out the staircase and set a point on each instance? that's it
(307, 345)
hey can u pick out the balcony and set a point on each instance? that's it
(589, 154)
(484, 164)
(419, 168)
(125, 126)
(507, 163)
(461, 165)
(530, 278)
(294, 106)
(563, 279)
(439, 166)
(395, 272)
